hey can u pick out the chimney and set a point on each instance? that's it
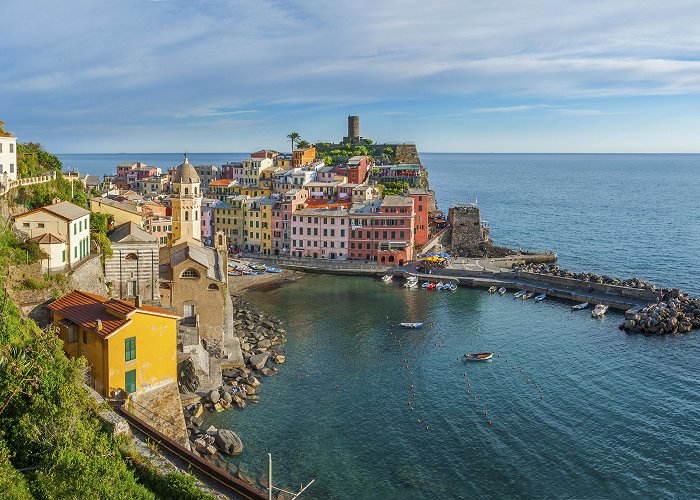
(99, 325)
(137, 302)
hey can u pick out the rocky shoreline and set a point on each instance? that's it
(262, 345)
(674, 312)
(554, 270)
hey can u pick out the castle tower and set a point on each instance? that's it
(353, 130)
(186, 198)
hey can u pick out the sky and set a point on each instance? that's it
(100, 76)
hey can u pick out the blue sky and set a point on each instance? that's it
(224, 75)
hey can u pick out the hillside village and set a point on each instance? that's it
(142, 262)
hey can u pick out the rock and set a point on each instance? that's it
(198, 411)
(211, 450)
(235, 357)
(219, 407)
(279, 359)
(197, 421)
(227, 397)
(228, 442)
(265, 344)
(211, 431)
(258, 361)
(253, 382)
(200, 444)
(213, 396)
(268, 372)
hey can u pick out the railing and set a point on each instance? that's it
(27, 181)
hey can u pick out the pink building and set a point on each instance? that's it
(232, 171)
(320, 233)
(160, 227)
(282, 212)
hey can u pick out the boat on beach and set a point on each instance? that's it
(502, 290)
(519, 294)
(415, 326)
(599, 311)
(480, 356)
(580, 306)
(492, 289)
(273, 270)
(540, 297)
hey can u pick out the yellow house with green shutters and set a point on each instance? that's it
(130, 347)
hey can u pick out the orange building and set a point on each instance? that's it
(421, 198)
(302, 156)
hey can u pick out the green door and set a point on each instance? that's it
(130, 381)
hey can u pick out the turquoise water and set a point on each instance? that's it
(619, 413)
(617, 418)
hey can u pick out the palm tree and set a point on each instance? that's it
(294, 136)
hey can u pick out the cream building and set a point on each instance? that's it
(8, 156)
(61, 230)
(186, 200)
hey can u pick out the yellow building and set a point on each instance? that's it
(130, 347)
(121, 211)
(252, 228)
(186, 201)
(302, 156)
(266, 206)
(229, 219)
(255, 191)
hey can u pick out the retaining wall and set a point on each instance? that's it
(559, 282)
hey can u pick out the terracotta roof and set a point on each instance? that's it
(85, 309)
(47, 239)
(221, 182)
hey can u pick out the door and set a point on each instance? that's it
(131, 288)
(189, 310)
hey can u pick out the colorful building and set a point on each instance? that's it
(303, 156)
(382, 230)
(129, 347)
(282, 213)
(320, 233)
(232, 171)
(121, 211)
(252, 167)
(421, 199)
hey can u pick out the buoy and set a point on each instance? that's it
(468, 391)
(485, 413)
(419, 420)
(426, 427)
(469, 385)
(541, 396)
(474, 396)
(490, 424)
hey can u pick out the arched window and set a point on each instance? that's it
(187, 191)
(195, 215)
(195, 191)
(190, 273)
(132, 256)
(187, 216)
(213, 286)
(391, 258)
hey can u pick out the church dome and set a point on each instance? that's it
(185, 173)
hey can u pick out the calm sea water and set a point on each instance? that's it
(617, 415)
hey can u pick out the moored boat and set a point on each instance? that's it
(599, 311)
(450, 287)
(580, 306)
(540, 297)
(528, 295)
(502, 290)
(478, 356)
(415, 326)
(431, 285)
(492, 289)
(387, 278)
(519, 294)
(411, 284)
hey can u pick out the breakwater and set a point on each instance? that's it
(674, 312)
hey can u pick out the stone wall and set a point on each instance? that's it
(161, 408)
(89, 276)
(406, 153)
(467, 233)
(136, 263)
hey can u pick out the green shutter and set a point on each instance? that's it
(130, 349)
(130, 381)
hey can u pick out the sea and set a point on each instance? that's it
(570, 406)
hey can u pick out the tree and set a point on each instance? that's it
(294, 136)
(303, 144)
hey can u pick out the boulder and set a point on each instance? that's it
(279, 359)
(197, 421)
(265, 344)
(227, 397)
(258, 361)
(253, 382)
(213, 396)
(268, 372)
(211, 431)
(228, 442)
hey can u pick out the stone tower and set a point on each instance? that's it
(186, 198)
(353, 130)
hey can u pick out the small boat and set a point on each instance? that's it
(502, 290)
(425, 284)
(387, 278)
(232, 272)
(578, 307)
(415, 326)
(528, 295)
(492, 289)
(481, 356)
(540, 297)
(439, 285)
(450, 287)
(411, 284)
(599, 311)
(270, 269)
(431, 286)
(519, 294)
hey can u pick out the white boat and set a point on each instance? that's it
(450, 287)
(440, 285)
(599, 311)
(528, 295)
(416, 326)
(480, 356)
(502, 290)
(492, 289)
(411, 284)
(519, 294)
(540, 297)
(387, 278)
(578, 307)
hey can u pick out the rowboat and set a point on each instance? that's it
(519, 294)
(599, 311)
(540, 297)
(425, 284)
(578, 307)
(502, 290)
(411, 284)
(387, 278)
(528, 295)
(450, 287)
(415, 326)
(274, 270)
(440, 285)
(492, 289)
(481, 356)
(431, 285)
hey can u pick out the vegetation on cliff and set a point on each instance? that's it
(33, 160)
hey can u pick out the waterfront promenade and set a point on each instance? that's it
(482, 273)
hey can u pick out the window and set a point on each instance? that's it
(72, 334)
(85, 337)
(190, 273)
(132, 256)
(25, 224)
(63, 256)
(130, 381)
(130, 349)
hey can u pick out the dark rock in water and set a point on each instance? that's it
(228, 442)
